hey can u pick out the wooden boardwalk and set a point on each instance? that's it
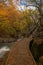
(20, 53)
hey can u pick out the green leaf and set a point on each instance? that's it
(33, 0)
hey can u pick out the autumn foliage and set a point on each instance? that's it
(14, 23)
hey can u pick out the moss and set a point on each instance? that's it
(40, 61)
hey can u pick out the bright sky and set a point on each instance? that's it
(22, 5)
(23, 8)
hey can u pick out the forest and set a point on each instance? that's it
(14, 23)
(19, 20)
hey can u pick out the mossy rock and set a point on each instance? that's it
(41, 60)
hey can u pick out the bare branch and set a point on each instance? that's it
(32, 5)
